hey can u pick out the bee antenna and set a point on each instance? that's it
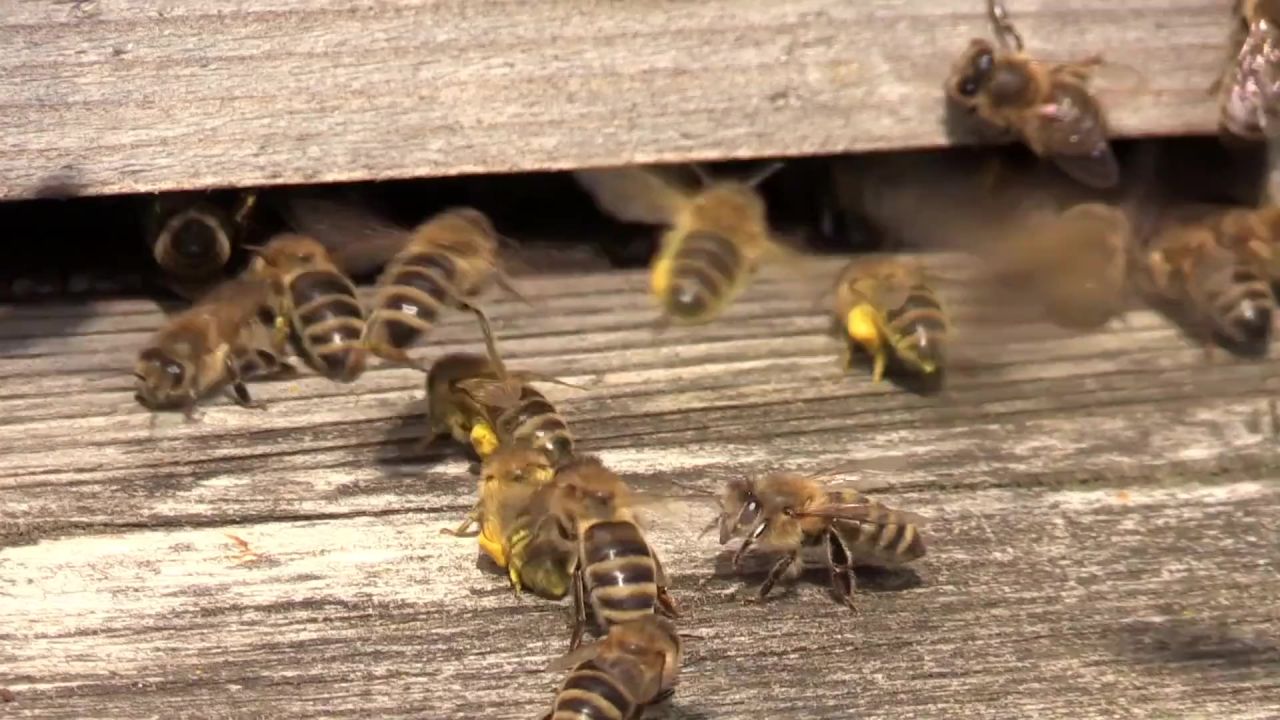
(764, 173)
(139, 376)
(1003, 26)
(704, 177)
(710, 526)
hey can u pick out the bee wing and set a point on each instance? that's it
(650, 195)
(492, 392)
(358, 239)
(869, 512)
(573, 658)
(1073, 135)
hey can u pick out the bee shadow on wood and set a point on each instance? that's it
(755, 566)
(404, 448)
(1189, 643)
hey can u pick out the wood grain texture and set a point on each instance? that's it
(117, 96)
(1104, 537)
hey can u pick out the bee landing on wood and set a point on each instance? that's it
(316, 304)
(717, 235)
(790, 513)
(889, 311)
(1049, 106)
(222, 340)
(1249, 101)
(635, 665)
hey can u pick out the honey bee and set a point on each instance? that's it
(477, 402)
(1075, 261)
(636, 664)
(192, 238)
(717, 234)
(541, 556)
(1252, 234)
(1049, 106)
(888, 310)
(789, 513)
(222, 340)
(1226, 298)
(447, 262)
(509, 477)
(615, 571)
(317, 304)
(1250, 98)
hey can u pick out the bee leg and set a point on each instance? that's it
(504, 281)
(579, 608)
(665, 603)
(881, 361)
(240, 395)
(395, 355)
(843, 580)
(473, 518)
(779, 569)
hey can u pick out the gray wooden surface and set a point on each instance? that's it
(1104, 536)
(107, 96)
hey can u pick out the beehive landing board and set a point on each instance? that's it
(1103, 540)
(108, 96)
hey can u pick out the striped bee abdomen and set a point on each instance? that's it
(414, 289)
(328, 321)
(920, 325)
(704, 270)
(621, 577)
(536, 422)
(1244, 307)
(592, 693)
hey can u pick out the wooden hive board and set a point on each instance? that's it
(1103, 539)
(110, 96)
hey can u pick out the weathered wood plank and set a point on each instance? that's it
(139, 95)
(1146, 603)
(1036, 405)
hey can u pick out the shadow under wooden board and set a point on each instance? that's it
(1104, 522)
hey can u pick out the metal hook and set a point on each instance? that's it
(1003, 26)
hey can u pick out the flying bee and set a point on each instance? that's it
(317, 305)
(192, 238)
(1049, 106)
(789, 513)
(1249, 100)
(223, 339)
(887, 309)
(717, 235)
(616, 573)
(1226, 297)
(1076, 262)
(635, 665)
(448, 261)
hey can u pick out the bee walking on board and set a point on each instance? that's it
(717, 234)
(790, 513)
(225, 338)
(889, 311)
(616, 573)
(1075, 261)
(192, 238)
(1049, 106)
(317, 305)
(1226, 298)
(1249, 101)
(1252, 234)
(635, 665)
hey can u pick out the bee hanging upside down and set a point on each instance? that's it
(1050, 107)
(789, 513)
(888, 310)
(1249, 104)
